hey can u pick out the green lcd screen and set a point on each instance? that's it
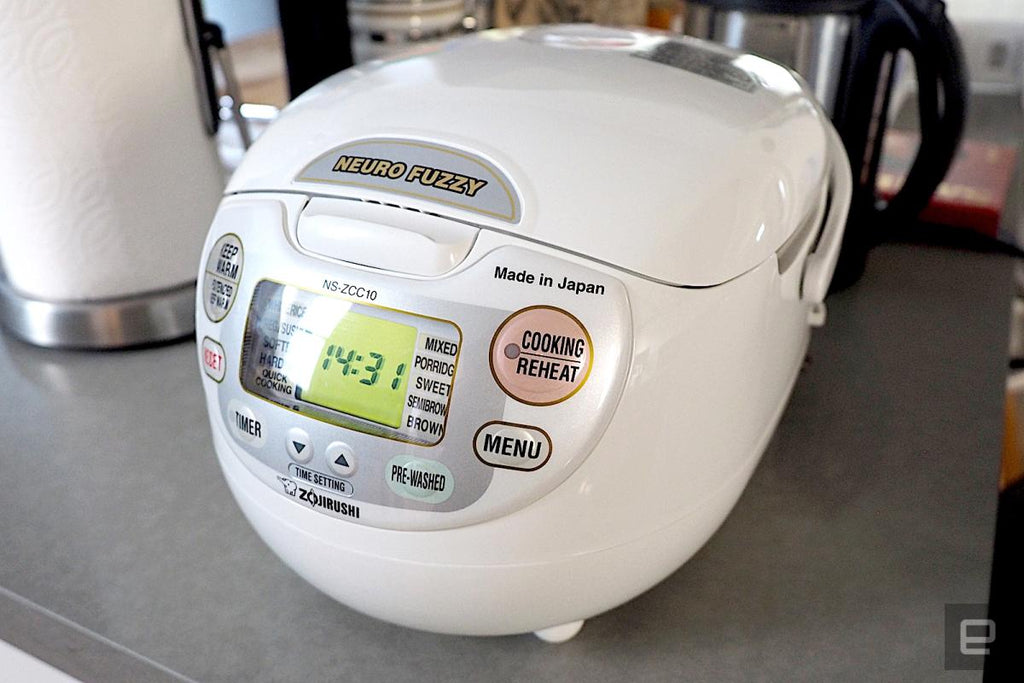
(363, 369)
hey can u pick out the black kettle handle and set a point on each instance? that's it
(920, 27)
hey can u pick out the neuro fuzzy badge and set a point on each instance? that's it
(425, 175)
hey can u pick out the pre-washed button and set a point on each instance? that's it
(341, 458)
(512, 446)
(541, 355)
(427, 481)
(300, 446)
(245, 424)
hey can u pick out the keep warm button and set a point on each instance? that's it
(512, 446)
(427, 481)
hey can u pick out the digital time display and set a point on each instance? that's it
(363, 369)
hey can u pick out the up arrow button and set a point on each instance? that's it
(300, 448)
(341, 459)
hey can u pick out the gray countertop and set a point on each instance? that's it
(123, 556)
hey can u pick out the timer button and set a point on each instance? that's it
(245, 425)
(300, 447)
(341, 459)
(541, 355)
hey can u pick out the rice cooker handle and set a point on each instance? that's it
(821, 262)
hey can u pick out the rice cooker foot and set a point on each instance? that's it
(560, 633)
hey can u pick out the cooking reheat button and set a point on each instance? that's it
(512, 446)
(541, 355)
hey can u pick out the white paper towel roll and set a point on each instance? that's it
(108, 181)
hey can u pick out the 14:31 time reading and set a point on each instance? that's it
(346, 362)
(374, 352)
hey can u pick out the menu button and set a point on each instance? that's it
(512, 446)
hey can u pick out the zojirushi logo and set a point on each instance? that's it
(319, 500)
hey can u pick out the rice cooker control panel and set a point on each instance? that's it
(399, 402)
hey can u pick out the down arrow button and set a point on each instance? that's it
(300, 448)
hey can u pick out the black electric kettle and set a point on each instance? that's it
(846, 51)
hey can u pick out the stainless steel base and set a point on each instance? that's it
(101, 324)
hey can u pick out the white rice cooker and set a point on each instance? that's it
(494, 336)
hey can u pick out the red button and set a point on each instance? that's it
(541, 355)
(213, 359)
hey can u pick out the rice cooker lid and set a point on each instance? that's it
(666, 156)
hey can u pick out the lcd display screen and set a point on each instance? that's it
(363, 369)
(369, 368)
